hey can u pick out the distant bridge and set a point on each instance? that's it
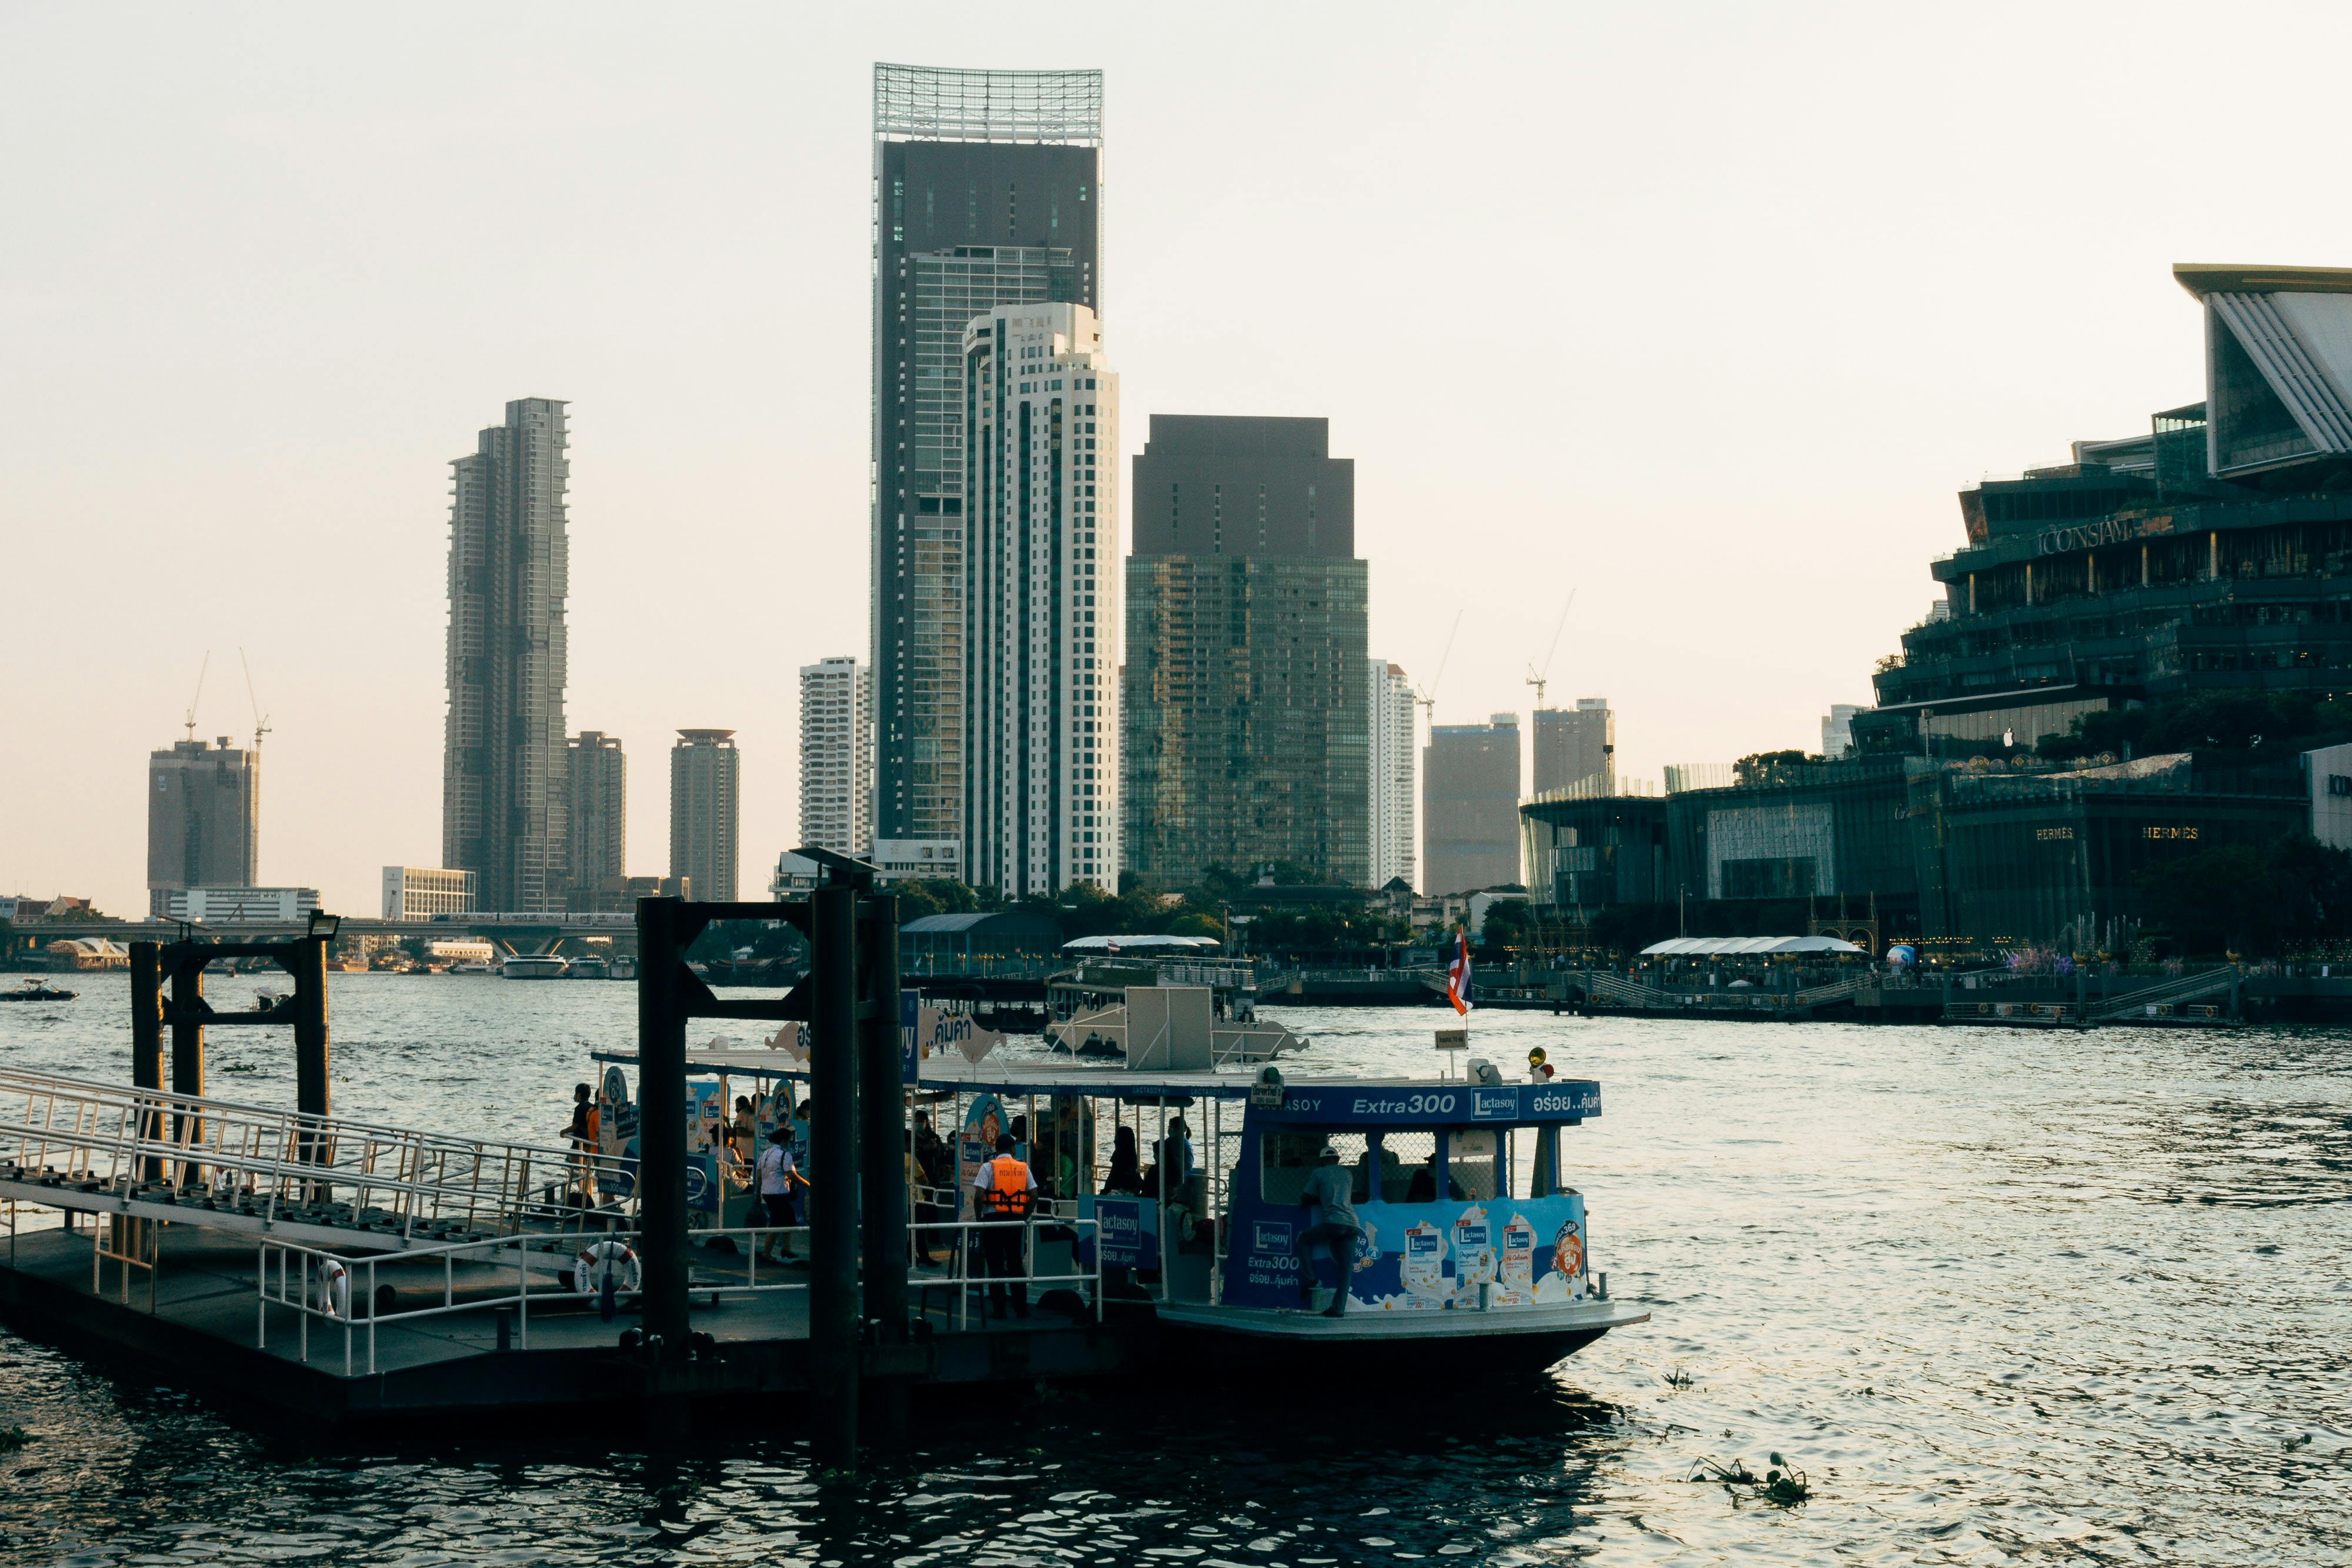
(509, 932)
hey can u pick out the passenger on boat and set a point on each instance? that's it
(1423, 1187)
(583, 1132)
(1003, 1189)
(742, 1132)
(934, 1169)
(778, 1177)
(1335, 1228)
(1125, 1178)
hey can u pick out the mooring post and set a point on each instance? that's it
(834, 1347)
(186, 963)
(883, 1149)
(147, 1042)
(309, 967)
(661, 1121)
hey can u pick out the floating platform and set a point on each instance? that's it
(209, 1328)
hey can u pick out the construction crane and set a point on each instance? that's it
(1426, 697)
(1539, 679)
(260, 720)
(201, 668)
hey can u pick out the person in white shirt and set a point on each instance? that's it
(1327, 1192)
(779, 1174)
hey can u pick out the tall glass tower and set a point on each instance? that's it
(505, 805)
(987, 192)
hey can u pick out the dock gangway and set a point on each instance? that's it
(2165, 993)
(322, 1181)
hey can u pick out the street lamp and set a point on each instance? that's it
(324, 925)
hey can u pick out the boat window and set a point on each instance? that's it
(1473, 1160)
(1406, 1173)
(1286, 1157)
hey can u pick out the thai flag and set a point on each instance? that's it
(1457, 974)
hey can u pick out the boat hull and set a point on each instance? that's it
(1524, 1340)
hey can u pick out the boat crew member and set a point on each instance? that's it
(583, 1132)
(1003, 1189)
(1335, 1228)
(779, 1174)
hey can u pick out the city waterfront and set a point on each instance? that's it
(2002, 1296)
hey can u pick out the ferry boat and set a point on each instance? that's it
(534, 966)
(589, 968)
(1472, 1245)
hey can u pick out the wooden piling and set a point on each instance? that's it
(883, 1152)
(661, 1121)
(834, 1347)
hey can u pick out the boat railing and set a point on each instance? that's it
(201, 1154)
(346, 1290)
(959, 1275)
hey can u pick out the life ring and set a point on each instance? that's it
(600, 1258)
(335, 1286)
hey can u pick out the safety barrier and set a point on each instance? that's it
(342, 1289)
(958, 1277)
(221, 1162)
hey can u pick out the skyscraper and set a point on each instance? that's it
(1245, 706)
(1574, 745)
(203, 818)
(703, 795)
(1041, 702)
(599, 775)
(1470, 806)
(505, 807)
(1390, 719)
(837, 740)
(987, 192)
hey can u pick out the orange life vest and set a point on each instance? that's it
(1006, 1197)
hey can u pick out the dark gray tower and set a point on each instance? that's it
(987, 192)
(505, 805)
(1246, 707)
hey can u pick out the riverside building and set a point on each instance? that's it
(598, 781)
(1391, 721)
(705, 790)
(1574, 745)
(836, 739)
(203, 818)
(1041, 697)
(505, 804)
(2214, 551)
(987, 192)
(1246, 707)
(1470, 806)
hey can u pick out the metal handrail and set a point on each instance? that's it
(301, 1287)
(267, 1160)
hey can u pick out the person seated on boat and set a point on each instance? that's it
(1335, 1228)
(1003, 1189)
(1424, 1188)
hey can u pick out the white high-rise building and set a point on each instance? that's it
(836, 756)
(1041, 591)
(1389, 709)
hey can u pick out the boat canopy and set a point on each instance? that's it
(1145, 943)
(1745, 946)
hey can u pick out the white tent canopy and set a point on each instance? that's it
(1745, 946)
(1141, 944)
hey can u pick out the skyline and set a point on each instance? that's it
(1856, 326)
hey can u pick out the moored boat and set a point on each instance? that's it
(534, 966)
(37, 990)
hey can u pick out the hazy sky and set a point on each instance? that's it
(1704, 311)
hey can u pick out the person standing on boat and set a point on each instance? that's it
(1005, 1190)
(778, 1173)
(583, 1132)
(1336, 1228)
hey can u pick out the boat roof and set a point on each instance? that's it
(1744, 946)
(1387, 1098)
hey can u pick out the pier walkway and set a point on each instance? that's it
(348, 1272)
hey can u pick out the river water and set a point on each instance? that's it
(2004, 1297)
